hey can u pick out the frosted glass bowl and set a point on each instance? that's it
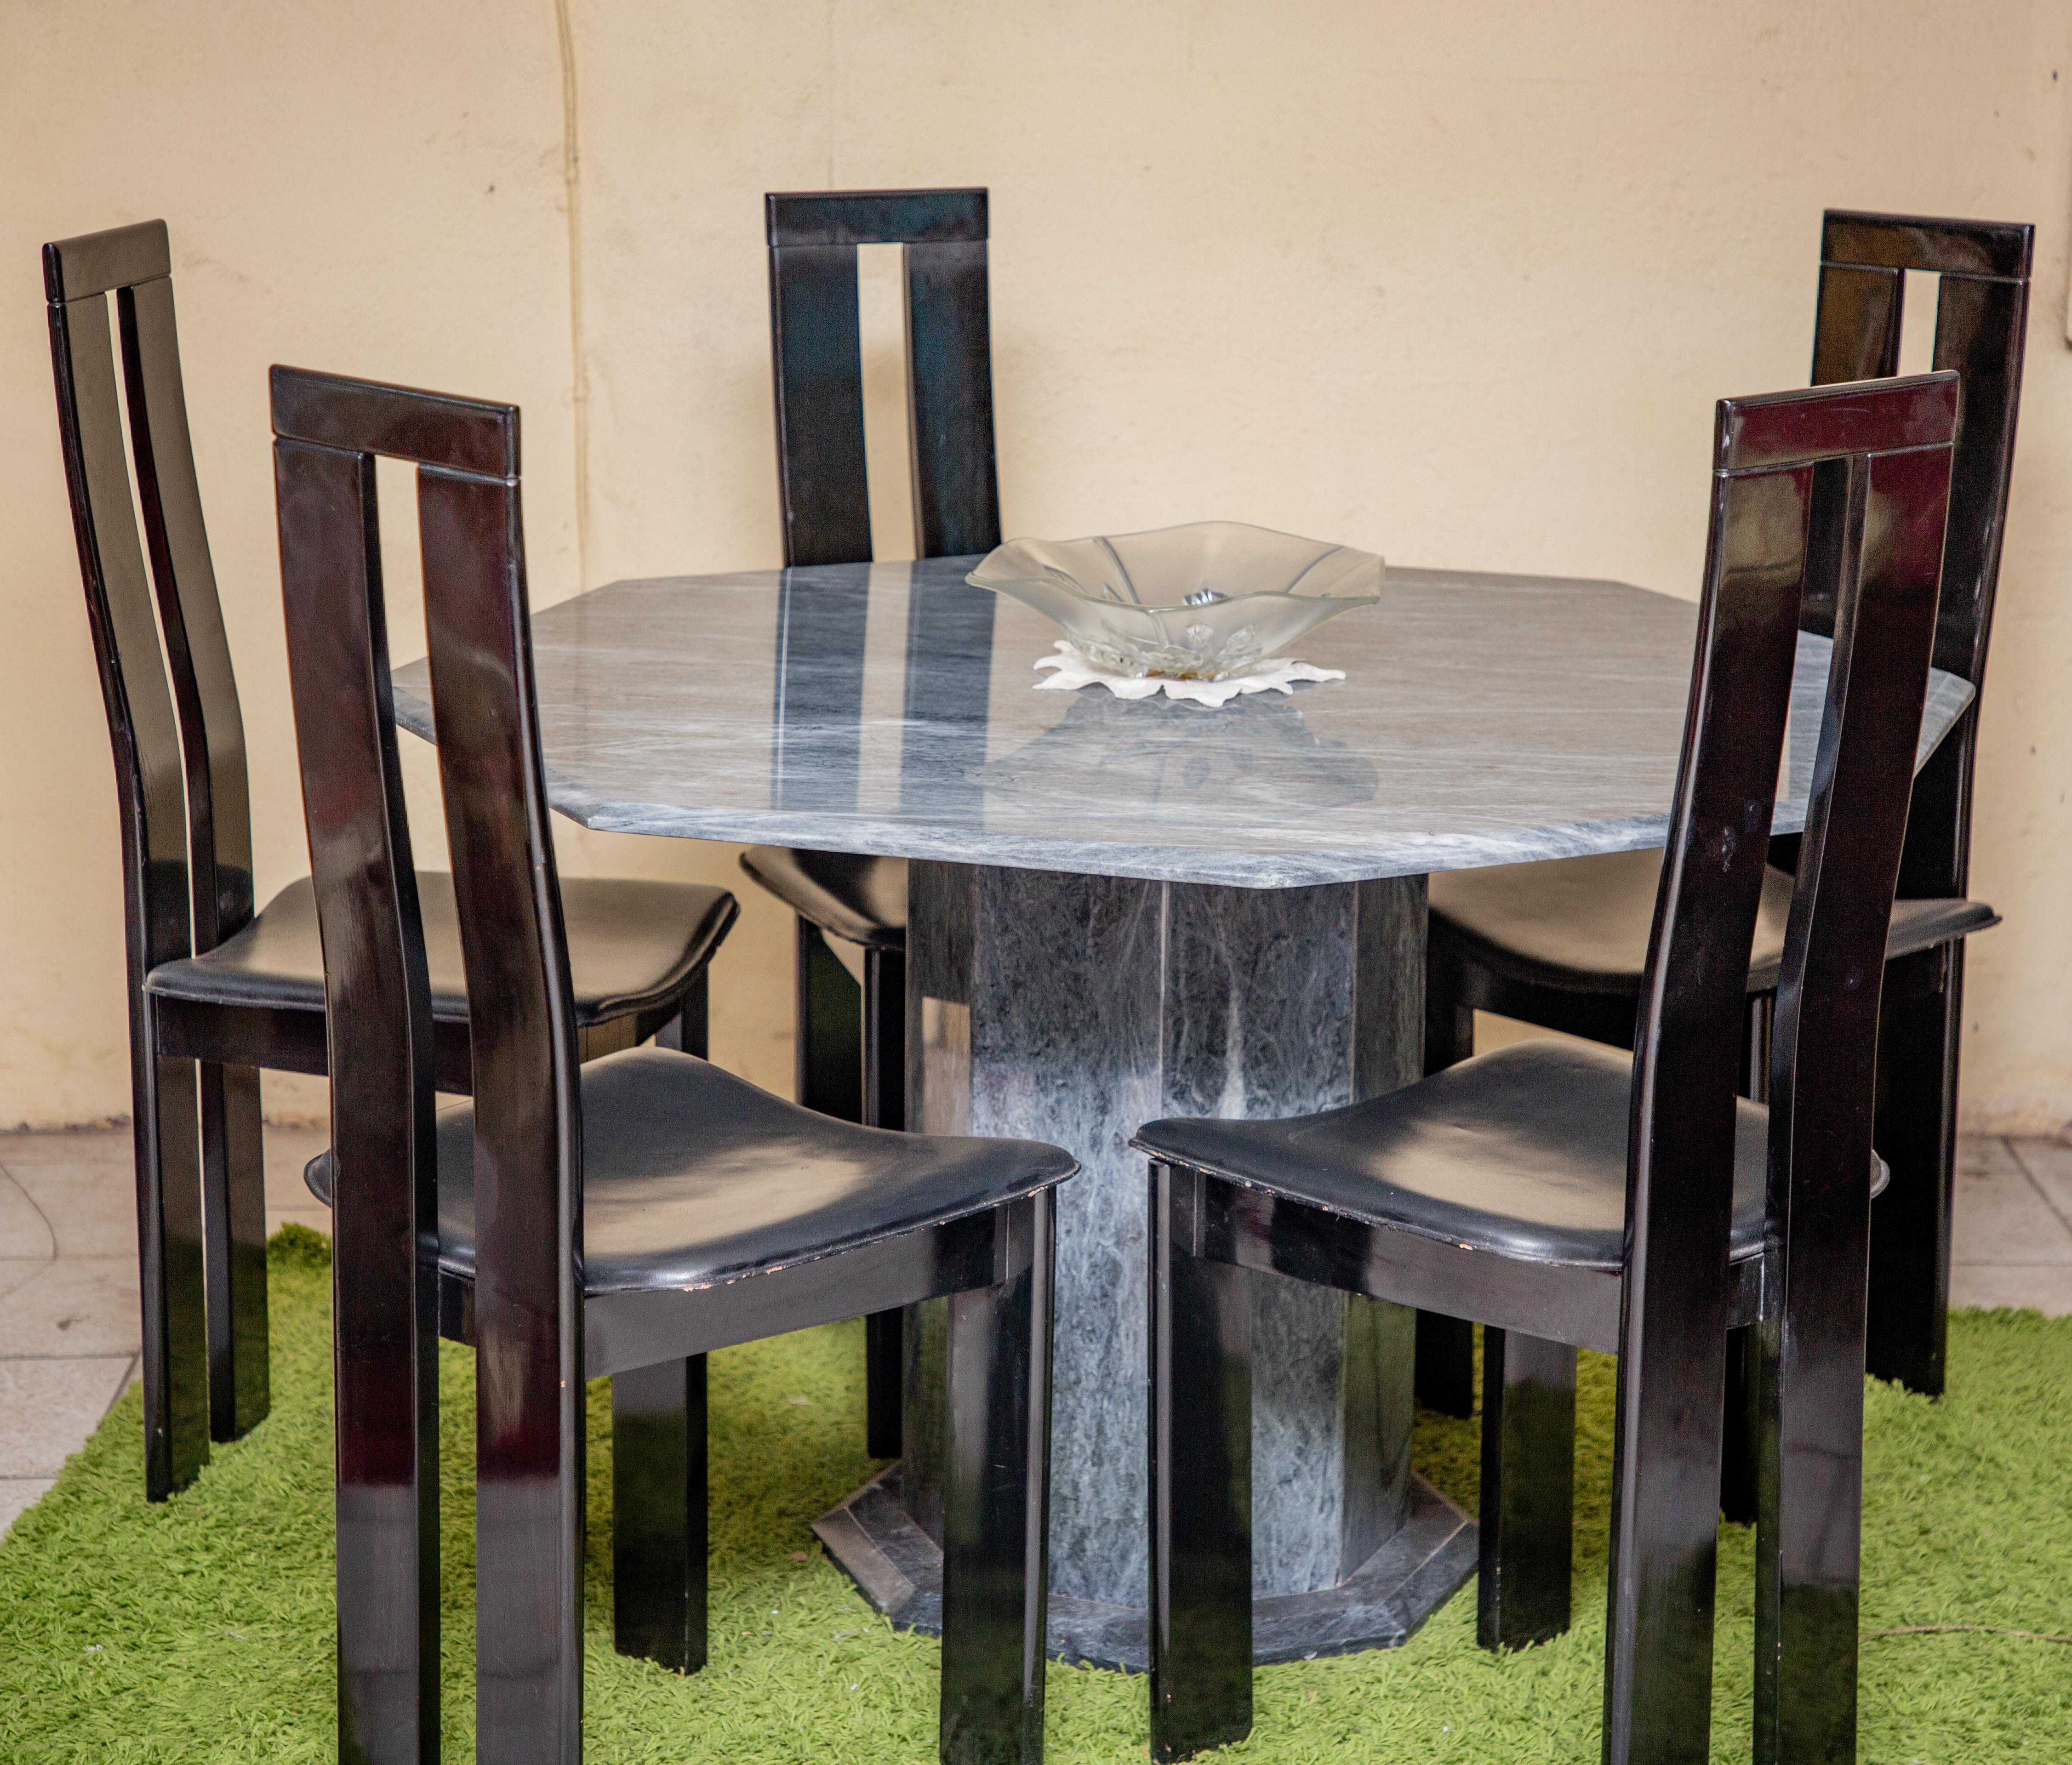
(1200, 602)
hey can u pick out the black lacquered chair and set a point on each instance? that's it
(852, 1058)
(217, 991)
(1563, 944)
(1563, 1195)
(622, 1218)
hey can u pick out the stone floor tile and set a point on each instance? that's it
(1986, 1154)
(18, 1271)
(47, 1408)
(75, 1306)
(2002, 1216)
(91, 1207)
(24, 1232)
(2048, 1163)
(66, 1146)
(2040, 1287)
(17, 1493)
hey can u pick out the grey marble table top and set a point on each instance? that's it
(891, 709)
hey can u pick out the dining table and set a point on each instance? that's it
(1120, 910)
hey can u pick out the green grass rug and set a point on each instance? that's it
(200, 1631)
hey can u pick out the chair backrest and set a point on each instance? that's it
(528, 1176)
(1893, 440)
(818, 369)
(202, 847)
(1981, 324)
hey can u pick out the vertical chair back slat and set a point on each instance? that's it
(529, 1169)
(1680, 1145)
(140, 717)
(527, 1175)
(385, 1214)
(823, 482)
(190, 615)
(1824, 1059)
(949, 357)
(1875, 448)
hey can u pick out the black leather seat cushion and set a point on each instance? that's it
(1584, 922)
(632, 945)
(692, 1177)
(1521, 1152)
(861, 899)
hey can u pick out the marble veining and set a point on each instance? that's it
(1089, 1005)
(890, 709)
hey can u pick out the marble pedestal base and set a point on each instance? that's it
(899, 1568)
(1072, 1009)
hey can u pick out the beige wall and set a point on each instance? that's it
(1457, 283)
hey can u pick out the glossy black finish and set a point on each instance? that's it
(1528, 1528)
(1444, 1374)
(1200, 1372)
(217, 992)
(1562, 945)
(1808, 1538)
(823, 492)
(658, 1513)
(860, 899)
(885, 1106)
(171, 895)
(636, 950)
(379, 1017)
(1441, 1195)
(828, 1052)
(821, 481)
(995, 1508)
(616, 1218)
(661, 1214)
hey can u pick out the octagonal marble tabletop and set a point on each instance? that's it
(892, 709)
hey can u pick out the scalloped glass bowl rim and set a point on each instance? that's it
(1135, 637)
(1054, 577)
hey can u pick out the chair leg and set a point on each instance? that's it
(1445, 1374)
(234, 1215)
(689, 1030)
(171, 1260)
(1809, 1532)
(1665, 1533)
(529, 1503)
(884, 1039)
(1916, 1132)
(658, 1513)
(385, 1379)
(1740, 1443)
(1201, 1483)
(1527, 1549)
(884, 1352)
(884, 1106)
(995, 1518)
(829, 1051)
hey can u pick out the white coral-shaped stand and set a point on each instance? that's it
(1075, 670)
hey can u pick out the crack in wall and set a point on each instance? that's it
(578, 359)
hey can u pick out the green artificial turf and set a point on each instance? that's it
(200, 1631)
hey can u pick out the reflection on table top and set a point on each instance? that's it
(891, 709)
